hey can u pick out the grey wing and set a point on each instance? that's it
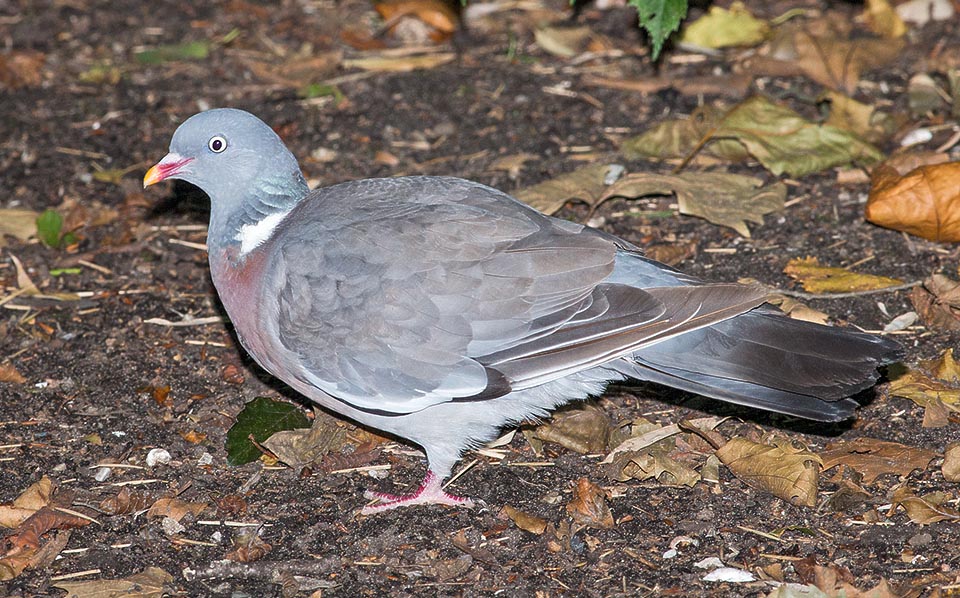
(403, 302)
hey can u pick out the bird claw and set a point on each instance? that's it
(430, 492)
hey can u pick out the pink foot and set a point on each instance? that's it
(430, 492)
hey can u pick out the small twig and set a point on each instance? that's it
(848, 294)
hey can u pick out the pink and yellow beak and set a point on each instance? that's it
(171, 165)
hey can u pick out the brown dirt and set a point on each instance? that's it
(90, 365)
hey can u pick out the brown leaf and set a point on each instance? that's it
(589, 505)
(933, 379)
(21, 69)
(873, 458)
(582, 428)
(926, 509)
(301, 447)
(672, 254)
(17, 222)
(435, 13)
(397, 64)
(782, 469)
(296, 72)
(938, 302)
(862, 119)
(525, 521)
(951, 462)
(722, 198)
(654, 463)
(585, 184)
(31, 500)
(125, 501)
(175, 508)
(151, 583)
(248, 546)
(924, 202)
(828, 279)
(9, 373)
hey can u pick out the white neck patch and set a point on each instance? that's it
(253, 235)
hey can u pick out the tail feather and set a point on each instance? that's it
(766, 360)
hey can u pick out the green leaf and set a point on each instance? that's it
(261, 418)
(197, 50)
(63, 271)
(49, 225)
(660, 18)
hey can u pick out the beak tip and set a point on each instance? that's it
(152, 176)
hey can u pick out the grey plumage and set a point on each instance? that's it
(440, 309)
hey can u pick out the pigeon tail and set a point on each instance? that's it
(766, 360)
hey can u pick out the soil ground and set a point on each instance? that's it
(93, 366)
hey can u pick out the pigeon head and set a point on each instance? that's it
(238, 161)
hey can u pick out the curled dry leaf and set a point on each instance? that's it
(438, 15)
(926, 509)
(828, 279)
(589, 505)
(653, 463)
(938, 302)
(585, 184)
(786, 471)
(125, 501)
(931, 380)
(17, 222)
(582, 428)
(303, 446)
(151, 583)
(248, 546)
(175, 509)
(951, 462)
(722, 198)
(399, 64)
(872, 458)
(924, 202)
(525, 521)
(31, 500)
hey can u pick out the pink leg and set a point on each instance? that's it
(430, 492)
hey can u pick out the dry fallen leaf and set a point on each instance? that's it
(398, 64)
(937, 302)
(799, 311)
(926, 509)
(175, 508)
(151, 583)
(951, 462)
(872, 458)
(9, 373)
(827, 279)
(883, 20)
(296, 72)
(303, 446)
(786, 471)
(439, 17)
(589, 505)
(30, 501)
(652, 463)
(582, 428)
(525, 521)
(21, 68)
(585, 184)
(924, 202)
(722, 198)
(724, 28)
(864, 120)
(565, 42)
(931, 380)
(17, 222)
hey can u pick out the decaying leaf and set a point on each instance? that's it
(951, 462)
(175, 508)
(399, 64)
(722, 198)
(926, 509)
(436, 14)
(582, 428)
(931, 380)
(30, 501)
(589, 505)
(828, 279)
(830, 581)
(248, 546)
(296, 72)
(798, 310)
(585, 184)
(872, 458)
(724, 28)
(826, 53)
(260, 419)
(9, 373)
(301, 447)
(786, 471)
(21, 68)
(778, 137)
(937, 302)
(648, 434)
(883, 20)
(17, 222)
(151, 583)
(565, 42)
(526, 521)
(863, 120)
(924, 202)
(653, 463)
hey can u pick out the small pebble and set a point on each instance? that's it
(158, 456)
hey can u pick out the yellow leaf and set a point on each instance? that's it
(883, 20)
(722, 28)
(826, 279)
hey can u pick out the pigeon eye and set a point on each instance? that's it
(217, 144)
